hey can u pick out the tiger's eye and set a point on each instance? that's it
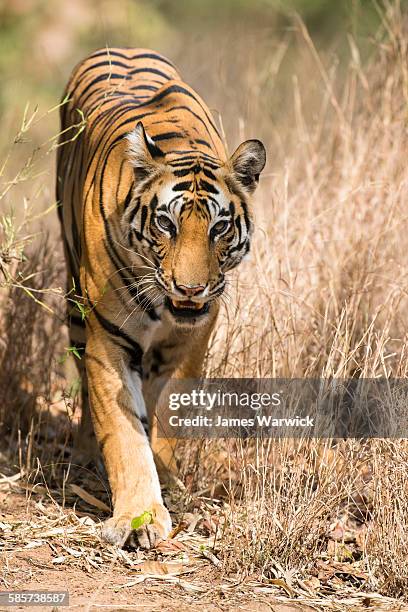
(219, 227)
(166, 223)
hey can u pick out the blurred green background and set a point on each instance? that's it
(248, 59)
(41, 40)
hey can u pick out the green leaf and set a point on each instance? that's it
(144, 519)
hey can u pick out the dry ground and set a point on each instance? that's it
(45, 547)
(49, 539)
(119, 584)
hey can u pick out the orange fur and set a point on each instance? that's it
(153, 216)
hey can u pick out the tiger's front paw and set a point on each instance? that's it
(118, 529)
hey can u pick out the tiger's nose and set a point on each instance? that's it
(190, 290)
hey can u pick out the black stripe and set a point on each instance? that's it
(183, 172)
(144, 88)
(150, 71)
(239, 228)
(122, 163)
(154, 56)
(106, 76)
(184, 186)
(107, 63)
(202, 142)
(143, 218)
(189, 163)
(115, 331)
(200, 119)
(136, 357)
(134, 352)
(209, 174)
(140, 238)
(128, 198)
(169, 136)
(246, 215)
(192, 154)
(108, 52)
(209, 187)
(179, 89)
(153, 202)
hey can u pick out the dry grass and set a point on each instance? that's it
(325, 294)
(31, 297)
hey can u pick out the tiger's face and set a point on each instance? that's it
(192, 221)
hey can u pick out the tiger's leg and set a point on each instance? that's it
(85, 445)
(116, 401)
(179, 357)
(86, 449)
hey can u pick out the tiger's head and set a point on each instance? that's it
(190, 218)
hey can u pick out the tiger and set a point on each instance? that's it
(153, 215)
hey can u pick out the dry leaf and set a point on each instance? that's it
(283, 585)
(329, 570)
(180, 527)
(350, 569)
(71, 551)
(88, 498)
(169, 546)
(158, 568)
(211, 557)
(35, 544)
(311, 584)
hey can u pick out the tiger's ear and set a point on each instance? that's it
(144, 155)
(247, 163)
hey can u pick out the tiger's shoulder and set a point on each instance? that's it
(114, 88)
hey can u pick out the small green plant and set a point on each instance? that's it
(146, 518)
(71, 350)
(81, 303)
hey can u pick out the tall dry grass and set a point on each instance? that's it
(32, 312)
(324, 294)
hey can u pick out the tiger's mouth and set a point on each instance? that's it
(186, 308)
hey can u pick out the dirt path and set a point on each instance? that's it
(45, 547)
(32, 566)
